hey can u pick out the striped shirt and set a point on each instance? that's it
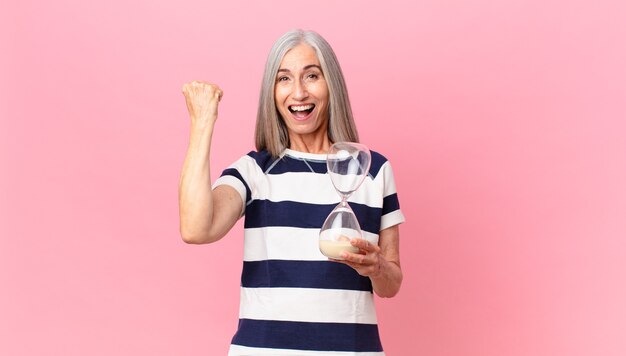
(293, 301)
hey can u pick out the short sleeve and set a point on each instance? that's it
(391, 213)
(239, 176)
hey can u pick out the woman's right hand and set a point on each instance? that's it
(202, 101)
(205, 215)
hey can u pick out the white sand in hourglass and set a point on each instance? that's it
(334, 248)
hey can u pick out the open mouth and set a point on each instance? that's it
(301, 111)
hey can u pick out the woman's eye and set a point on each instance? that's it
(312, 76)
(282, 79)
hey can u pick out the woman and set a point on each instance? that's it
(293, 299)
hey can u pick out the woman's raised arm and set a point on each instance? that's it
(206, 215)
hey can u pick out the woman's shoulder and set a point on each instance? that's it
(263, 159)
(378, 161)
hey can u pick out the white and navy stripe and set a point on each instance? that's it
(293, 300)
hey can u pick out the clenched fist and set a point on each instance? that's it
(202, 101)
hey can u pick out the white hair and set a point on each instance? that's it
(271, 131)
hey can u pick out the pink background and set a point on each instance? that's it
(504, 121)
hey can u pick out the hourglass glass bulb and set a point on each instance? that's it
(339, 228)
(343, 154)
(348, 164)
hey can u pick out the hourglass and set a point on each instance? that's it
(348, 164)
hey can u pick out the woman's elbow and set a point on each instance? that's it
(196, 238)
(191, 239)
(388, 294)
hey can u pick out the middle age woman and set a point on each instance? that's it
(294, 300)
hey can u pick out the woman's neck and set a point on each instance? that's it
(309, 144)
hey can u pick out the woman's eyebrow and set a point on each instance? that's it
(305, 68)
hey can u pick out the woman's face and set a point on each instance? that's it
(301, 92)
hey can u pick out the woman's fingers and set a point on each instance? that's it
(353, 257)
(202, 100)
(360, 265)
(365, 245)
(367, 262)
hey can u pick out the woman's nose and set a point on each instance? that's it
(299, 91)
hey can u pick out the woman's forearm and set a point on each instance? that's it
(194, 190)
(195, 197)
(387, 281)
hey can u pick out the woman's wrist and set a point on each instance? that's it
(386, 281)
(381, 268)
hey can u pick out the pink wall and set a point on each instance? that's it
(504, 121)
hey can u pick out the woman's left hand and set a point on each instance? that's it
(367, 262)
(381, 263)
